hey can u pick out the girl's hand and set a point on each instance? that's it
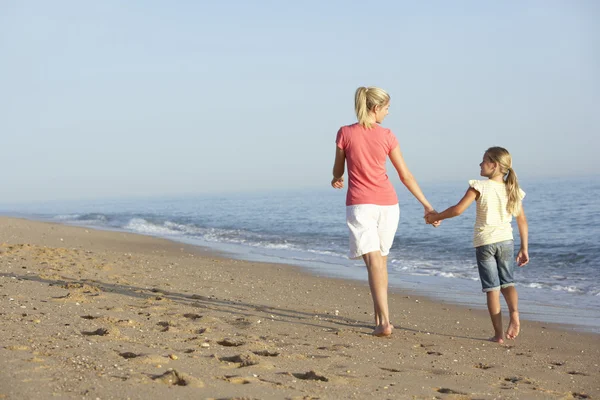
(337, 183)
(431, 217)
(522, 258)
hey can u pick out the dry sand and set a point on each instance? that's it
(109, 315)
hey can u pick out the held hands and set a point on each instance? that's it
(431, 218)
(337, 183)
(522, 258)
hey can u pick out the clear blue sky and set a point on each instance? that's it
(129, 98)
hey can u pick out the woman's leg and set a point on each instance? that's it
(378, 282)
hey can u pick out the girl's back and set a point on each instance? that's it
(493, 221)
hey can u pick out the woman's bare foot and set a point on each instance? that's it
(514, 326)
(496, 339)
(383, 330)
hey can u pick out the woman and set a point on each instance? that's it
(372, 211)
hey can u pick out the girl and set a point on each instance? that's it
(498, 199)
(372, 211)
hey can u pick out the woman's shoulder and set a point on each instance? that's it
(357, 126)
(353, 126)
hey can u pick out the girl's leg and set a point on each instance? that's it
(512, 301)
(493, 304)
(506, 266)
(378, 282)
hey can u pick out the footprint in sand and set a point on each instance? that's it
(577, 395)
(311, 375)
(166, 326)
(238, 380)
(110, 320)
(266, 353)
(450, 391)
(241, 322)
(97, 332)
(245, 360)
(227, 342)
(129, 355)
(151, 359)
(71, 297)
(174, 378)
(517, 379)
(317, 356)
(156, 303)
(83, 288)
(192, 316)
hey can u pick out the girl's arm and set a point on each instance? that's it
(407, 178)
(523, 256)
(338, 168)
(456, 210)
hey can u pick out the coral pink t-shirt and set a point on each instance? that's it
(366, 154)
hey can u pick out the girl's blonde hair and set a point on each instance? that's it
(502, 157)
(365, 100)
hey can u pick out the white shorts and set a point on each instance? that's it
(372, 228)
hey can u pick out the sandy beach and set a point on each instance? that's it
(111, 315)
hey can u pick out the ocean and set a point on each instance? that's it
(561, 284)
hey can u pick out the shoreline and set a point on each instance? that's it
(464, 293)
(138, 316)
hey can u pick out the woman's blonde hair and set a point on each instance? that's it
(502, 157)
(365, 100)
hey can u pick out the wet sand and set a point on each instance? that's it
(110, 315)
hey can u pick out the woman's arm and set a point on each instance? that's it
(407, 178)
(338, 168)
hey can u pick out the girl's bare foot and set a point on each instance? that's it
(383, 330)
(514, 327)
(496, 339)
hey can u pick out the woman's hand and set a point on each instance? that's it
(430, 217)
(337, 183)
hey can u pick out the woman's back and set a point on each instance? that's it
(366, 151)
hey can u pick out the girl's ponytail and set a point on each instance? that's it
(512, 191)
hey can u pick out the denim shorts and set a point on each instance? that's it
(496, 264)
